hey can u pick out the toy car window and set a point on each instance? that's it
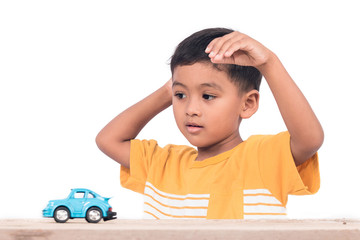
(79, 195)
(90, 195)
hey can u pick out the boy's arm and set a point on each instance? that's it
(114, 138)
(306, 133)
(305, 130)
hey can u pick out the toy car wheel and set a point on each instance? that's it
(61, 214)
(94, 215)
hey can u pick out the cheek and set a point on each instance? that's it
(226, 118)
(178, 114)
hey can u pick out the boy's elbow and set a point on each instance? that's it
(314, 139)
(119, 151)
(318, 140)
(100, 141)
(306, 148)
(315, 142)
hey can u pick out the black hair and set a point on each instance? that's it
(192, 50)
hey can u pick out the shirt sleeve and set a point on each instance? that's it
(279, 172)
(141, 154)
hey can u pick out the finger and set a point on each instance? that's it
(224, 60)
(236, 46)
(216, 44)
(225, 47)
(228, 45)
(213, 43)
(210, 47)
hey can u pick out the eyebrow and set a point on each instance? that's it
(212, 85)
(176, 83)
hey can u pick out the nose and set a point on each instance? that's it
(193, 108)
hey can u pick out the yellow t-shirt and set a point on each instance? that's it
(250, 181)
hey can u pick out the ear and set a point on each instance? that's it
(249, 104)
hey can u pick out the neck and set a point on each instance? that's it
(218, 148)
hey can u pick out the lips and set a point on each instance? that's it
(193, 127)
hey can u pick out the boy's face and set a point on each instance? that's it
(206, 105)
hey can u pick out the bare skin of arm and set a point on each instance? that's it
(305, 130)
(114, 138)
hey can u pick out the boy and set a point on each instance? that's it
(216, 75)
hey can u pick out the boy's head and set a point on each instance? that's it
(210, 100)
(192, 50)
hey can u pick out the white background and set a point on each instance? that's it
(68, 67)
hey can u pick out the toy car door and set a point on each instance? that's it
(77, 202)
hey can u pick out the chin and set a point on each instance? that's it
(198, 142)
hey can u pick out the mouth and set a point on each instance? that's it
(193, 128)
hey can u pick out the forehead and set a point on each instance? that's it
(200, 74)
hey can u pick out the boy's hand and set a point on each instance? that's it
(114, 138)
(238, 48)
(305, 130)
(168, 86)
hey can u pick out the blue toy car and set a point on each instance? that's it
(81, 203)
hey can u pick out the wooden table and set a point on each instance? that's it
(38, 229)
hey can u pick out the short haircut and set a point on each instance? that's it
(192, 50)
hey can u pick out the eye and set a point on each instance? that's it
(208, 97)
(180, 95)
